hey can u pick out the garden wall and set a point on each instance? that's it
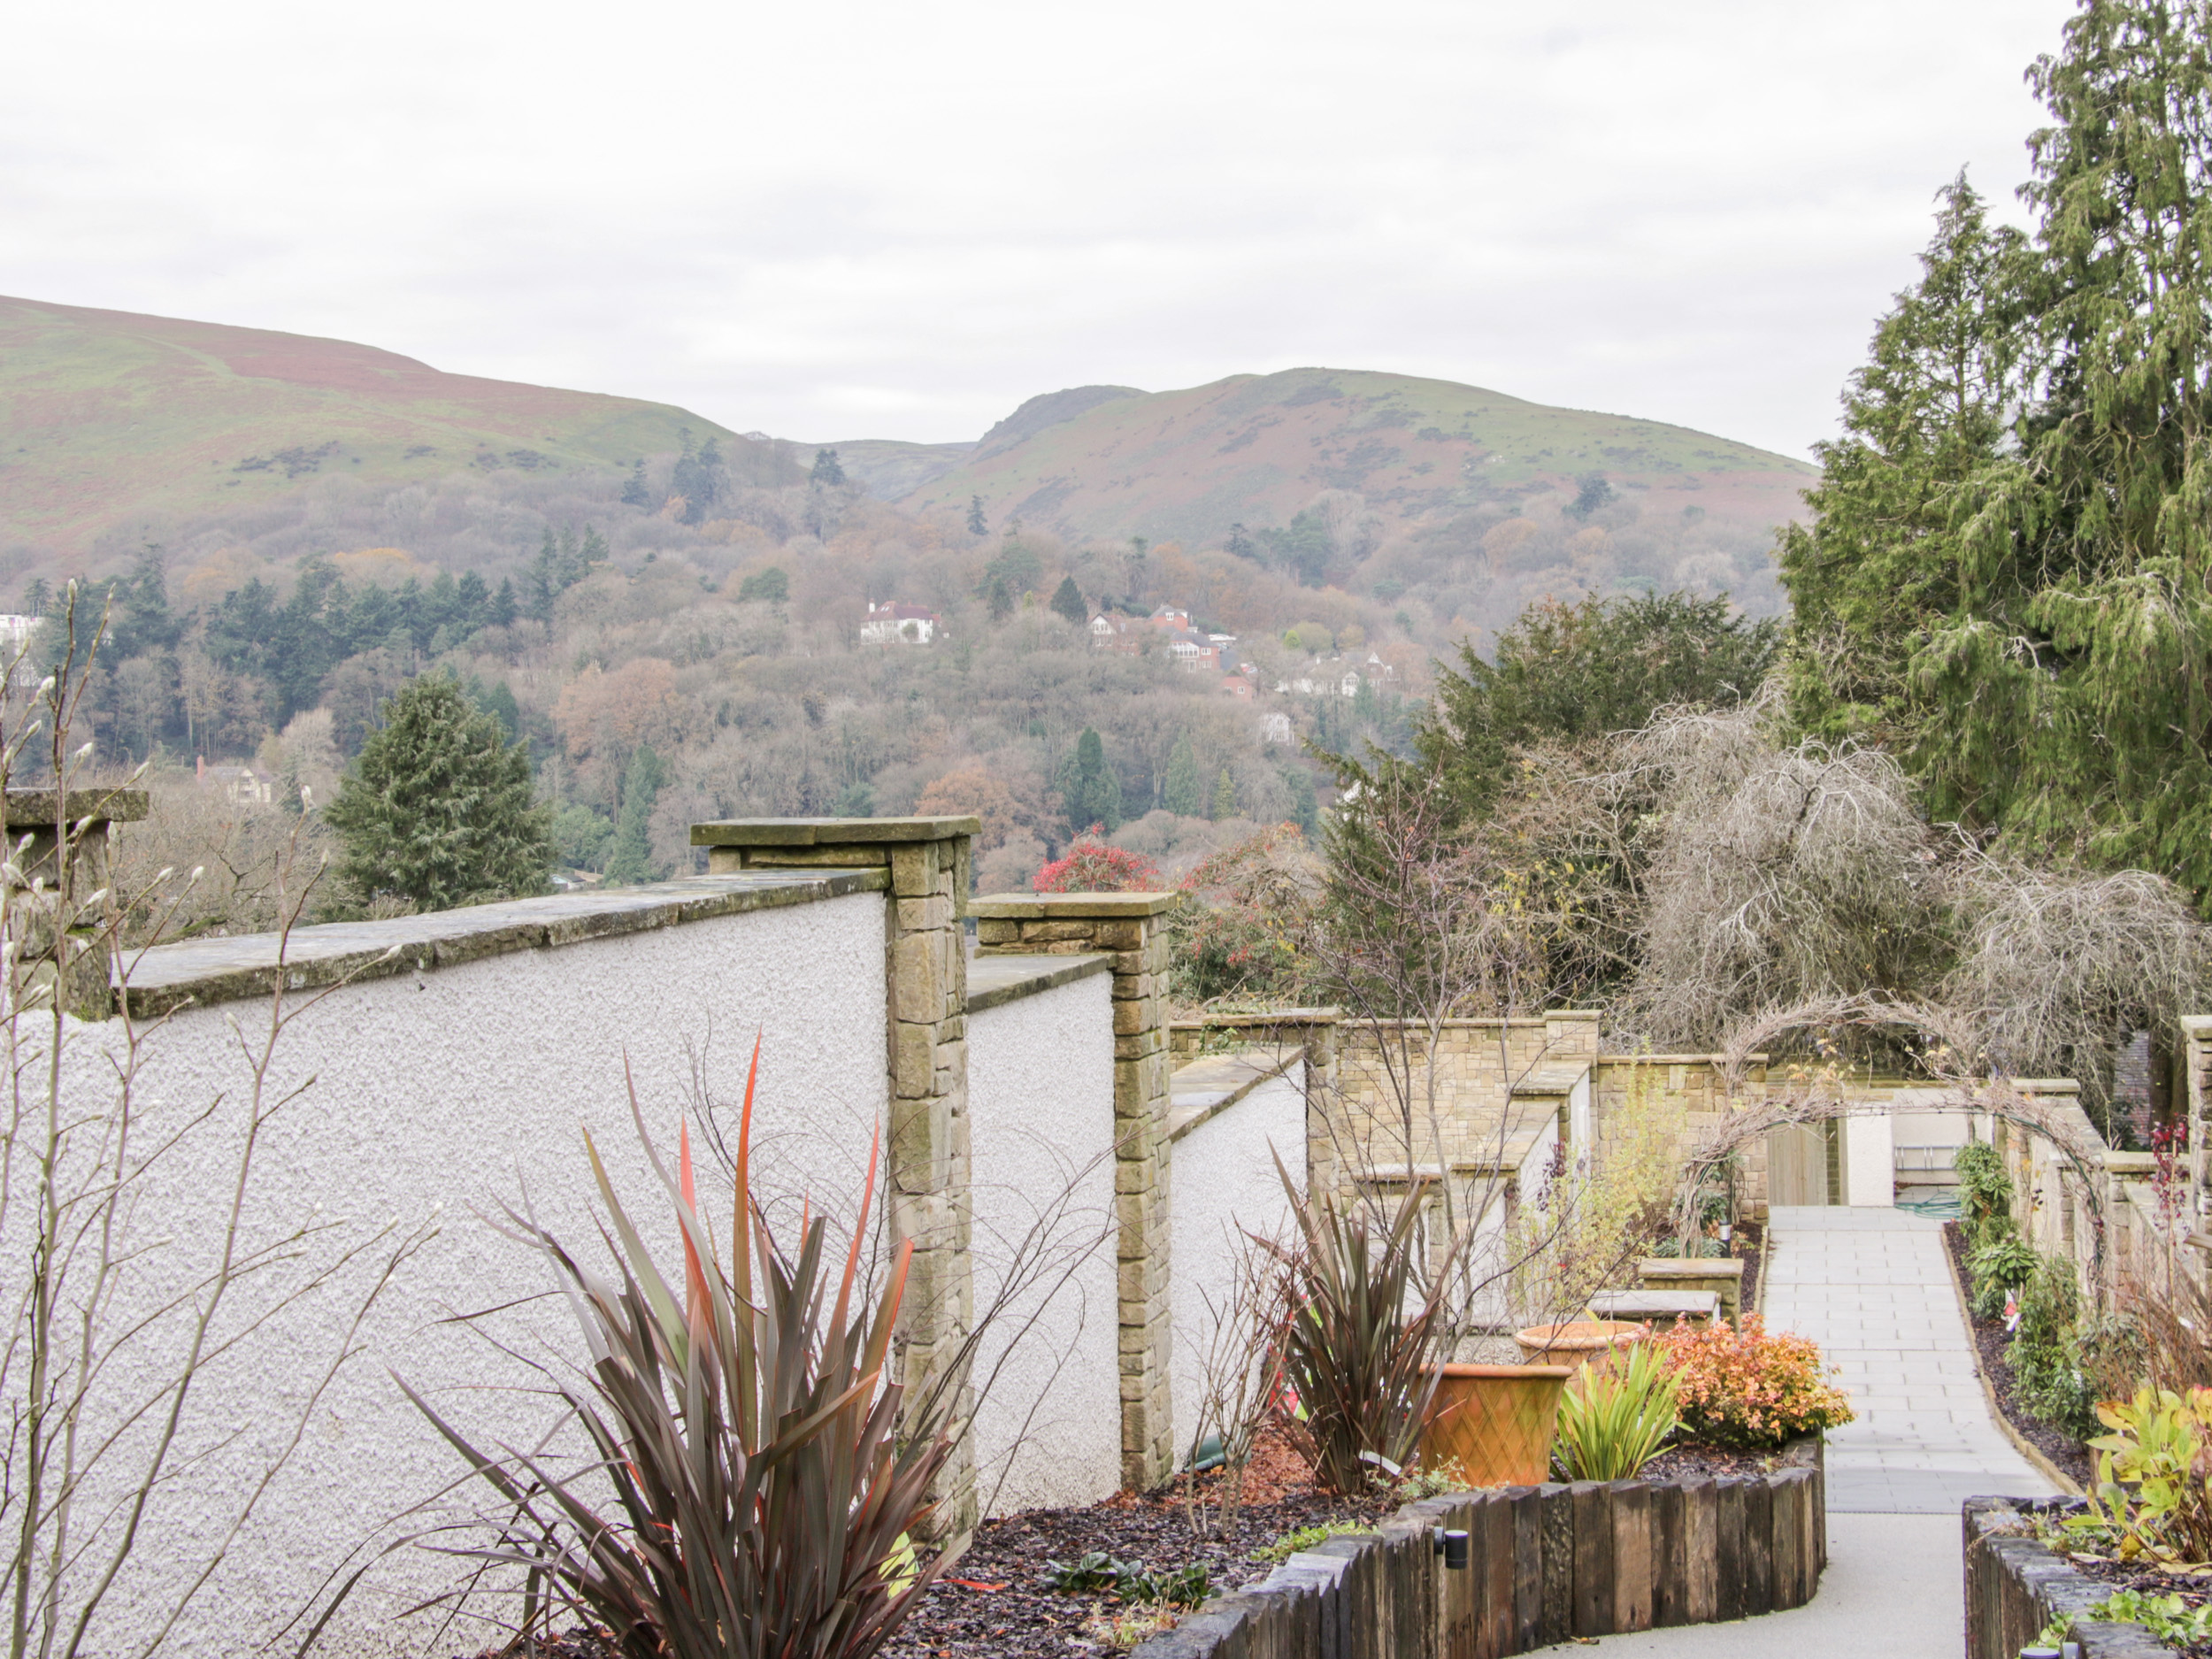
(1231, 1118)
(445, 1065)
(1547, 1565)
(456, 1078)
(1040, 1093)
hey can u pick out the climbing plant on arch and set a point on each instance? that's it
(1949, 1048)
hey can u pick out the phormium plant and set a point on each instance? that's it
(1363, 1367)
(766, 1484)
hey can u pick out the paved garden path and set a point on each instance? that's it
(1871, 1287)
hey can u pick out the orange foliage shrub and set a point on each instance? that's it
(1745, 1388)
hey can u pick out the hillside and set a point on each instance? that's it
(1255, 450)
(113, 421)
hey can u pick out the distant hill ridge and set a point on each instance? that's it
(110, 418)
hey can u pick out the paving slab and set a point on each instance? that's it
(1871, 1286)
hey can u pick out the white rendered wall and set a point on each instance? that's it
(1870, 1162)
(1040, 1103)
(1223, 1185)
(445, 1095)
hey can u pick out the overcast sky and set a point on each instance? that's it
(870, 219)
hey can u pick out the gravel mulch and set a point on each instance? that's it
(1990, 1341)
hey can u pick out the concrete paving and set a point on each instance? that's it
(1871, 1287)
(1893, 1588)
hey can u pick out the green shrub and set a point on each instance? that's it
(1985, 1191)
(2041, 1352)
(2003, 1264)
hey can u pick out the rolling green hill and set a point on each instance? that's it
(107, 418)
(1254, 449)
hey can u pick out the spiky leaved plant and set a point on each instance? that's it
(1359, 1343)
(765, 1485)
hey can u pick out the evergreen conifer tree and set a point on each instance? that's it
(1067, 600)
(1089, 791)
(635, 493)
(1574, 673)
(504, 606)
(828, 473)
(1001, 601)
(438, 806)
(1879, 566)
(631, 857)
(1225, 803)
(977, 524)
(2053, 665)
(1181, 792)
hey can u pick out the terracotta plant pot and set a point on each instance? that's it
(1579, 1342)
(1495, 1422)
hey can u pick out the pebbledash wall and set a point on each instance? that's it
(1031, 1123)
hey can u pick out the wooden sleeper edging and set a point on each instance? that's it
(1546, 1565)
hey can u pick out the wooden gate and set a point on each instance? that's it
(1804, 1165)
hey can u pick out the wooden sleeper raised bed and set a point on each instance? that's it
(1546, 1564)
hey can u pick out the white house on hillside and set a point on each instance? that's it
(892, 623)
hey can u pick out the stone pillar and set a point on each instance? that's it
(60, 872)
(926, 1177)
(1129, 928)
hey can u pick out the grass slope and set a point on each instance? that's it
(1254, 449)
(110, 420)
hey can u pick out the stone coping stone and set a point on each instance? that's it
(1690, 1267)
(1042, 907)
(1273, 1017)
(994, 981)
(1205, 1088)
(1551, 1079)
(33, 808)
(164, 977)
(828, 832)
(1656, 1304)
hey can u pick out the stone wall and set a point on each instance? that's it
(456, 1057)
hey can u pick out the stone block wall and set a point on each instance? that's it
(927, 1147)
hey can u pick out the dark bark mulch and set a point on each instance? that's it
(1748, 1240)
(1019, 1615)
(1990, 1341)
(1679, 1461)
